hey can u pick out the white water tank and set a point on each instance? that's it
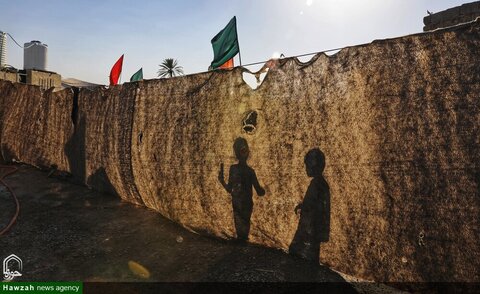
(35, 55)
(3, 49)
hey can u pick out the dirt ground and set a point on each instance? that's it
(68, 232)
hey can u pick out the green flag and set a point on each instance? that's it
(138, 76)
(225, 44)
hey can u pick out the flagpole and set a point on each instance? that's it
(236, 32)
(121, 69)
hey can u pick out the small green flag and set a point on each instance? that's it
(138, 76)
(225, 44)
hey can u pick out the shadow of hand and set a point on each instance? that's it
(221, 176)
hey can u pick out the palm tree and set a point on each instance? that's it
(170, 68)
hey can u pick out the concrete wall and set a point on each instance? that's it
(44, 79)
(397, 120)
(452, 16)
(9, 76)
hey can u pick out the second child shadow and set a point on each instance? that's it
(314, 224)
(241, 181)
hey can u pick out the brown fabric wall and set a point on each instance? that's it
(397, 120)
(100, 148)
(34, 124)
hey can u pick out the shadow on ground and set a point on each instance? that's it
(68, 232)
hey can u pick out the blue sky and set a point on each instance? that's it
(85, 38)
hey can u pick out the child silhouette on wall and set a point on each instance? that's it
(314, 225)
(241, 179)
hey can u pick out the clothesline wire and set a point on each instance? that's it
(18, 43)
(300, 55)
(330, 50)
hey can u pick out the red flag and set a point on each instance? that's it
(228, 64)
(116, 71)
